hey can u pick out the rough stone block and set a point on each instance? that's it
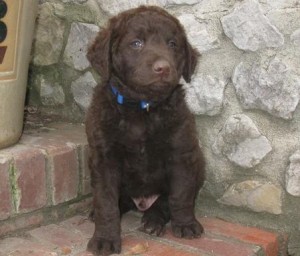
(282, 4)
(51, 94)
(293, 175)
(205, 95)
(256, 195)
(241, 142)
(295, 37)
(76, 48)
(74, 1)
(113, 7)
(48, 36)
(287, 20)
(198, 34)
(274, 89)
(83, 89)
(250, 29)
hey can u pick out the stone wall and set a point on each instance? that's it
(245, 94)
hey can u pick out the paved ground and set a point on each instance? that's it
(70, 237)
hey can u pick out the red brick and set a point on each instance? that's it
(46, 141)
(30, 168)
(58, 133)
(37, 218)
(82, 224)
(23, 247)
(267, 240)
(153, 248)
(57, 236)
(40, 141)
(64, 174)
(215, 245)
(67, 132)
(5, 196)
(82, 205)
(79, 224)
(20, 223)
(61, 144)
(62, 163)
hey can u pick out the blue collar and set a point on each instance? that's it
(142, 104)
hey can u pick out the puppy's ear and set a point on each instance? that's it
(191, 59)
(99, 54)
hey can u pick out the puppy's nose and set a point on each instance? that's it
(161, 67)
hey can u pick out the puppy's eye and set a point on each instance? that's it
(137, 44)
(172, 44)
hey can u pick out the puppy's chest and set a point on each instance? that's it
(145, 146)
(141, 135)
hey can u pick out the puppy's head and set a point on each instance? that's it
(145, 50)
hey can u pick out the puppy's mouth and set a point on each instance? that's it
(156, 90)
(144, 203)
(159, 83)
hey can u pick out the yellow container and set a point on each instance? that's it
(17, 20)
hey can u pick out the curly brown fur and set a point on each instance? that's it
(137, 157)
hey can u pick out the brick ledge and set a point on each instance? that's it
(42, 176)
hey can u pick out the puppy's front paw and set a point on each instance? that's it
(188, 231)
(153, 224)
(103, 246)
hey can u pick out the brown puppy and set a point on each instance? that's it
(144, 151)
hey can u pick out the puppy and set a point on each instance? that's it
(143, 145)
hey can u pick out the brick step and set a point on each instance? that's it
(70, 237)
(44, 177)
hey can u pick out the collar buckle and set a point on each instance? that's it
(144, 105)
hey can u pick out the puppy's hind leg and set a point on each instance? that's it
(156, 217)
